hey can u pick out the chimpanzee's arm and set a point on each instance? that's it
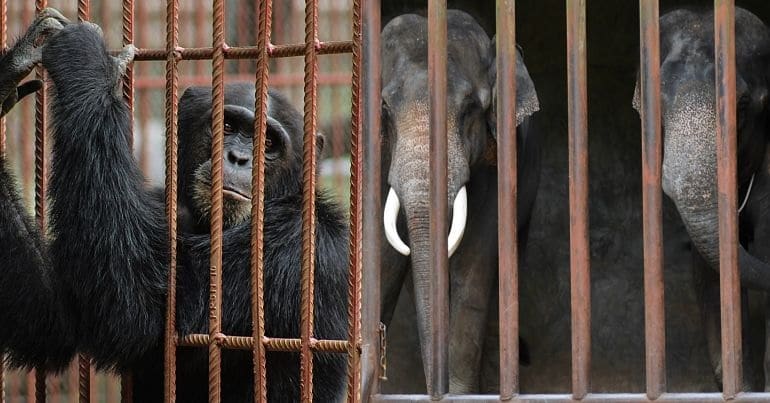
(110, 235)
(38, 328)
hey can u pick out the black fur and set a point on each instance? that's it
(101, 285)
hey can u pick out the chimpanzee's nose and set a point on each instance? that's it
(239, 158)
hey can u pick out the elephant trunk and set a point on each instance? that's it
(690, 180)
(409, 177)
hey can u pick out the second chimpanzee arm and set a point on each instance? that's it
(110, 235)
(38, 327)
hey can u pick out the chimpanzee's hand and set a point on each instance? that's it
(22, 57)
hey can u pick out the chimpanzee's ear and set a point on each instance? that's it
(526, 96)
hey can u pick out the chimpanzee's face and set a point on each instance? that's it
(237, 164)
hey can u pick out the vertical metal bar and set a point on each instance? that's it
(308, 191)
(727, 155)
(356, 229)
(84, 10)
(40, 177)
(578, 198)
(128, 78)
(172, 96)
(217, 129)
(371, 199)
(84, 369)
(438, 380)
(264, 18)
(506, 199)
(654, 309)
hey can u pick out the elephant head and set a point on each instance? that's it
(406, 136)
(688, 106)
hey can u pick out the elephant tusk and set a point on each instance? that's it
(389, 220)
(459, 216)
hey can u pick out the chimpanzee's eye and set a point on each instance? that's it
(229, 128)
(268, 143)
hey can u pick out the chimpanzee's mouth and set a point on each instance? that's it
(235, 195)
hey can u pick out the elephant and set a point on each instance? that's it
(472, 181)
(689, 179)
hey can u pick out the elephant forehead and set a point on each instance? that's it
(413, 121)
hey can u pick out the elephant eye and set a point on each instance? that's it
(384, 118)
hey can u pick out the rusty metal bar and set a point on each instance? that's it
(264, 17)
(580, 276)
(372, 198)
(217, 142)
(438, 379)
(356, 216)
(270, 343)
(172, 146)
(276, 80)
(84, 10)
(727, 156)
(249, 52)
(128, 78)
(308, 197)
(590, 398)
(652, 217)
(506, 199)
(41, 180)
(84, 378)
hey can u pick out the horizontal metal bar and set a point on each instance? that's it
(275, 80)
(589, 398)
(244, 52)
(271, 344)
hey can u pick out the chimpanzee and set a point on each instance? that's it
(99, 285)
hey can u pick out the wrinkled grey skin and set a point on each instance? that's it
(689, 155)
(471, 163)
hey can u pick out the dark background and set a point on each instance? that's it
(615, 216)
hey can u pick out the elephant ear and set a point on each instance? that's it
(526, 96)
